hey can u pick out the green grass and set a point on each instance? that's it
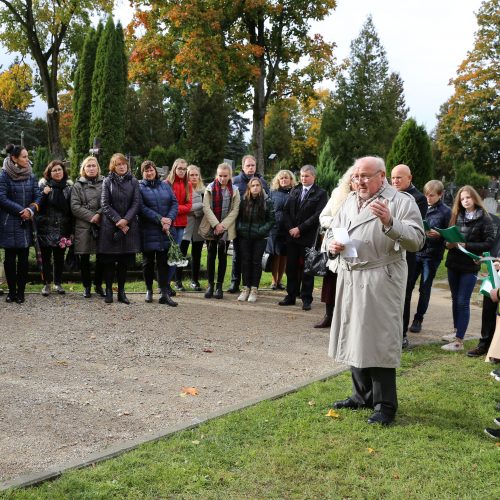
(288, 448)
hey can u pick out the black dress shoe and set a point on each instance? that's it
(306, 306)
(20, 298)
(98, 289)
(287, 301)
(108, 297)
(381, 418)
(347, 403)
(179, 286)
(210, 291)
(195, 285)
(234, 288)
(10, 298)
(326, 322)
(171, 291)
(279, 286)
(122, 297)
(149, 296)
(166, 299)
(218, 294)
(86, 292)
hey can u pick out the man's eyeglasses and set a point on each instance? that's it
(364, 178)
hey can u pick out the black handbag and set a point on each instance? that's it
(315, 263)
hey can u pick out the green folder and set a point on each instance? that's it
(451, 234)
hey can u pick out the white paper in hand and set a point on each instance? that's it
(341, 235)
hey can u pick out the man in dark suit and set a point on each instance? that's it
(401, 179)
(301, 221)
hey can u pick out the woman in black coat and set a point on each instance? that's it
(19, 202)
(55, 223)
(478, 233)
(119, 236)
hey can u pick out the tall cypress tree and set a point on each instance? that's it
(109, 86)
(82, 100)
(367, 107)
(412, 147)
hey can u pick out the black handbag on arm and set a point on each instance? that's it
(316, 261)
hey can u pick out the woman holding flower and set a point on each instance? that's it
(55, 223)
(158, 210)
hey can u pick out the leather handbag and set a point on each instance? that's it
(267, 262)
(315, 263)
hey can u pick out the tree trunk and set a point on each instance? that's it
(259, 114)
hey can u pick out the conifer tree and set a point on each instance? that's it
(367, 107)
(82, 100)
(327, 175)
(109, 86)
(412, 147)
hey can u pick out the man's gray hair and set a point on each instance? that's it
(310, 169)
(377, 161)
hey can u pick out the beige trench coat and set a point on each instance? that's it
(210, 220)
(494, 350)
(367, 326)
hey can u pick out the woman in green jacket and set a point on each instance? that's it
(255, 221)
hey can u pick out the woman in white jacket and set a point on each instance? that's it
(339, 194)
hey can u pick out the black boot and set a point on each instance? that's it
(122, 297)
(108, 298)
(218, 294)
(149, 296)
(234, 287)
(20, 297)
(98, 289)
(210, 291)
(86, 292)
(166, 299)
(327, 319)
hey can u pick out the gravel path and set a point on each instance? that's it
(79, 375)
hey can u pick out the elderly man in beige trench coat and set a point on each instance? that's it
(367, 328)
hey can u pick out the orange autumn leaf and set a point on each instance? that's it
(332, 413)
(191, 391)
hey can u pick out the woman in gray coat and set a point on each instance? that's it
(86, 208)
(119, 235)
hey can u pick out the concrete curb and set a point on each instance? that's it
(32, 479)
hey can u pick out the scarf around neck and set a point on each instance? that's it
(15, 172)
(217, 197)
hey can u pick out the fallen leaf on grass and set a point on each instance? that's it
(195, 442)
(191, 391)
(332, 413)
(370, 450)
(311, 403)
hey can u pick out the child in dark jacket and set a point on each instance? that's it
(429, 258)
(255, 220)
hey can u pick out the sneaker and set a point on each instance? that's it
(46, 290)
(253, 294)
(416, 326)
(59, 289)
(493, 433)
(449, 337)
(476, 352)
(243, 296)
(179, 286)
(495, 374)
(195, 285)
(456, 345)
(497, 421)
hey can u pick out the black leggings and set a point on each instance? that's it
(85, 270)
(16, 273)
(148, 268)
(58, 254)
(217, 247)
(121, 263)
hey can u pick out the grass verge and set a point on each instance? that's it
(289, 448)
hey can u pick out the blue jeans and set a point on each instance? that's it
(177, 236)
(461, 287)
(426, 269)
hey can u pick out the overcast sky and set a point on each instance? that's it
(425, 41)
